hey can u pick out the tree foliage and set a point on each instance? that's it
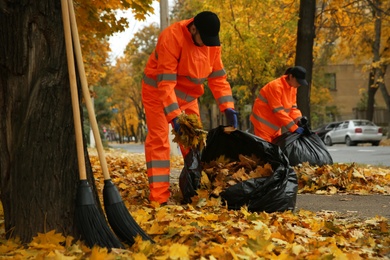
(359, 32)
(258, 39)
(125, 80)
(97, 20)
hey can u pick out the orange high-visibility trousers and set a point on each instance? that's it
(157, 148)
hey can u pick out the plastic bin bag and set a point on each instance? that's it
(274, 193)
(306, 147)
(189, 179)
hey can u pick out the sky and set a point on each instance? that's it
(119, 41)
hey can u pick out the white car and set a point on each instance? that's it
(352, 132)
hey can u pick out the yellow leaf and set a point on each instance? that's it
(156, 229)
(99, 253)
(211, 216)
(49, 240)
(123, 186)
(178, 251)
(139, 256)
(61, 256)
(297, 249)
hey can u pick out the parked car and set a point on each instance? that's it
(352, 132)
(324, 129)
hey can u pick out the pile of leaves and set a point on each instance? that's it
(343, 178)
(223, 173)
(191, 133)
(206, 229)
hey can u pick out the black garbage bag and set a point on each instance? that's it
(274, 193)
(305, 147)
(189, 179)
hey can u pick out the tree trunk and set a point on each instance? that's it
(38, 160)
(304, 51)
(371, 96)
(385, 93)
(374, 73)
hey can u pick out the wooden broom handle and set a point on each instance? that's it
(86, 94)
(73, 90)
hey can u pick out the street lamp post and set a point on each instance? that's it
(164, 22)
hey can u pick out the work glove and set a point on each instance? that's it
(176, 125)
(299, 130)
(231, 117)
(302, 121)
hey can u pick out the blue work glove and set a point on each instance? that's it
(231, 117)
(299, 130)
(176, 125)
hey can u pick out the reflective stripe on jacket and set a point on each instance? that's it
(276, 106)
(178, 68)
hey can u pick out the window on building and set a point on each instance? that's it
(330, 81)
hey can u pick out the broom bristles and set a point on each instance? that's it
(121, 221)
(91, 223)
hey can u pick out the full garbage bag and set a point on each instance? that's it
(306, 147)
(189, 179)
(274, 193)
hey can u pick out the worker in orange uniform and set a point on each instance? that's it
(276, 105)
(187, 54)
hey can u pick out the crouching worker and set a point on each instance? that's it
(276, 105)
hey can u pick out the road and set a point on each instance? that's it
(346, 204)
(374, 155)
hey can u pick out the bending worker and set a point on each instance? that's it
(276, 105)
(186, 55)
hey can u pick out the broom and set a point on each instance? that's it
(123, 224)
(89, 220)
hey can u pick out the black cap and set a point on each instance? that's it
(208, 24)
(300, 74)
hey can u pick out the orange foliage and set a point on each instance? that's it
(96, 20)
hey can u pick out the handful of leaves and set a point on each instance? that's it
(191, 134)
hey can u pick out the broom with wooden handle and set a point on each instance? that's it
(123, 224)
(91, 223)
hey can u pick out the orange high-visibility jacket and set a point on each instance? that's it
(173, 80)
(275, 107)
(178, 68)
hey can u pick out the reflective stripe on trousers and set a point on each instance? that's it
(157, 148)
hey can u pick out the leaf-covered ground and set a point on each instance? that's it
(208, 230)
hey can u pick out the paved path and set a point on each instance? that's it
(354, 205)
(361, 206)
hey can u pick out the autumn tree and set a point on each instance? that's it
(304, 51)
(126, 79)
(258, 43)
(102, 106)
(38, 162)
(361, 34)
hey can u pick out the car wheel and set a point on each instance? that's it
(328, 141)
(348, 141)
(375, 143)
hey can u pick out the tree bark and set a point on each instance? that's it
(38, 160)
(385, 93)
(374, 73)
(371, 96)
(304, 51)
